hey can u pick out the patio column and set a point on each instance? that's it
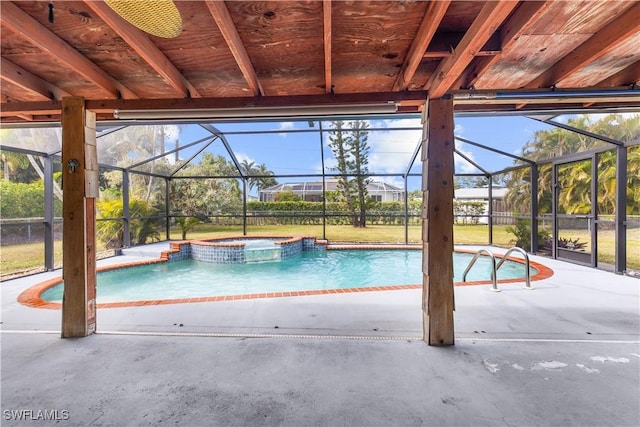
(49, 215)
(437, 222)
(80, 188)
(622, 180)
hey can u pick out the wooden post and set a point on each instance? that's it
(437, 222)
(80, 188)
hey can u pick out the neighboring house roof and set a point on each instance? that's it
(480, 193)
(331, 185)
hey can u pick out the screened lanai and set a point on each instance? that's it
(182, 180)
(85, 66)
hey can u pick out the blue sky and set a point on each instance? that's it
(390, 150)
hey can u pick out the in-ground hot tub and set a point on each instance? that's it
(242, 250)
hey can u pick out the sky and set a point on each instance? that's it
(391, 149)
(293, 148)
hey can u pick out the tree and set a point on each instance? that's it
(17, 168)
(248, 169)
(287, 195)
(338, 141)
(470, 181)
(142, 226)
(575, 181)
(415, 195)
(633, 180)
(351, 151)
(206, 196)
(265, 177)
(186, 223)
(257, 176)
(359, 161)
(26, 167)
(133, 145)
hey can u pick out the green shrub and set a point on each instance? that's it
(20, 200)
(468, 211)
(186, 223)
(522, 234)
(141, 228)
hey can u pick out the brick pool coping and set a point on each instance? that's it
(31, 297)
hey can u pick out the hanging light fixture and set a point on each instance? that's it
(160, 18)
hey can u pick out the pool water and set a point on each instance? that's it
(254, 243)
(313, 270)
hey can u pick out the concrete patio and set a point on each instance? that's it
(567, 353)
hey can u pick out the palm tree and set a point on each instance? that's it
(248, 169)
(574, 181)
(265, 178)
(547, 144)
(633, 180)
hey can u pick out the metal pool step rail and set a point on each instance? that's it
(495, 267)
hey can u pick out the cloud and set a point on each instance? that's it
(391, 151)
(242, 157)
(463, 166)
(284, 126)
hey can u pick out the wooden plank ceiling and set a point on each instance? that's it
(292, 53)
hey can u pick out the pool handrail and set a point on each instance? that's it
(526, 259)
(479, 252)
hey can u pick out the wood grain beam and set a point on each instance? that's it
(230, 33)
(326, 19)
(521, 20)
(144, 47)
(106, 106)
(437, 223)
(31, 30)
(430, 22)
(626, 76)
(442, 44)
(80, 177)
(407, 100)
(29, 82)
(484, 25)
(601, 43)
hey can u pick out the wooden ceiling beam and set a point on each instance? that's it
(408, 98)
(442, 44)
(430, 23)
(223, 19)
(144, 47)
(484, 25)
(326, 19)
(626, 76)
(602, 42)
(29, 82)
(521, 20)
(50, 110)
(31, 30)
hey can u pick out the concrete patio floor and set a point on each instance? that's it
(567, 353)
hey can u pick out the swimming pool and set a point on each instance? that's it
(308, 271)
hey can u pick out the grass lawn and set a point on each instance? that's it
(30, 257)
(606, 245)
(463, 234)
